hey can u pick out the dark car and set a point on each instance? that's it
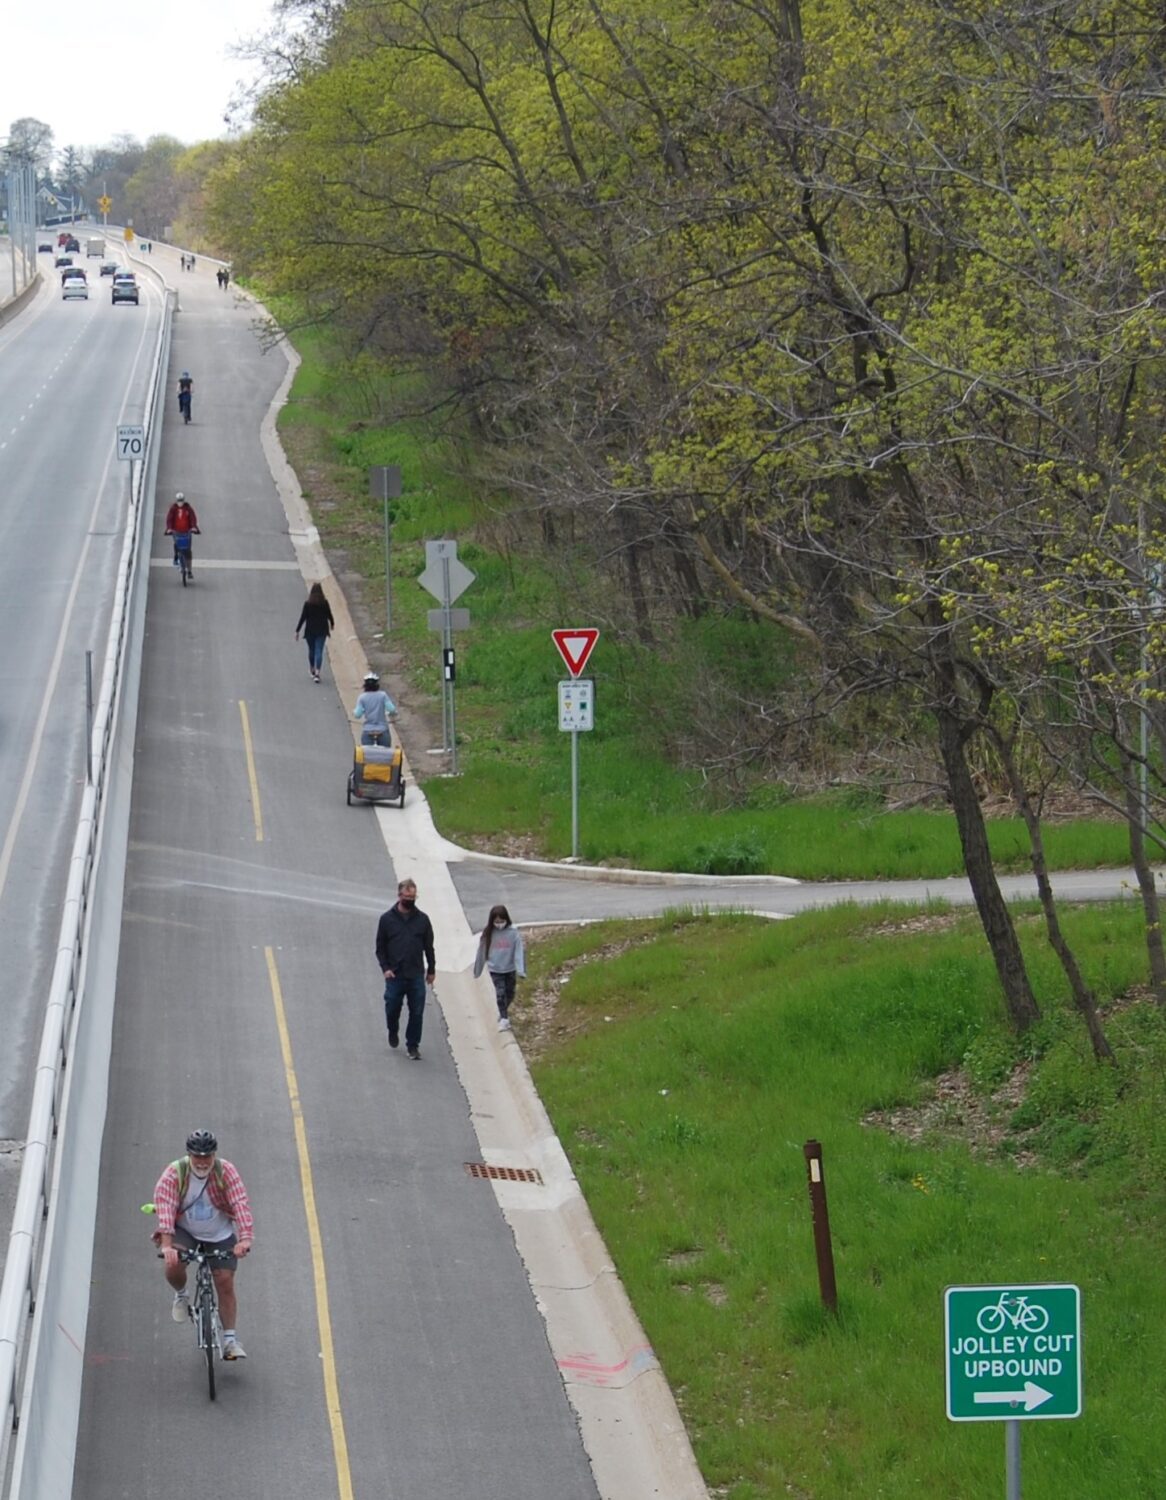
(125, 289)
(73, 273)
(42, 248)
(109, 268)
(73, 243)
(63, 260)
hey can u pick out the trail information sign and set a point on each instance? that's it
(1012, 1352)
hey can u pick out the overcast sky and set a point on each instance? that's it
(136, 67)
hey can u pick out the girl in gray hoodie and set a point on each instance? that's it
(500, 952)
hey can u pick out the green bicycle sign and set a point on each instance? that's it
(1013, 1351)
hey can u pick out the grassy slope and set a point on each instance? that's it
(690, 1070)
(634, 807)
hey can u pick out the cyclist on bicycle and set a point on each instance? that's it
(374, 708)
(182, 521)
(185, 393)
(200, 1200)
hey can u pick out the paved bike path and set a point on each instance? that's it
(249, 1000)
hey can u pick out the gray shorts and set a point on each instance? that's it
(184, 1238)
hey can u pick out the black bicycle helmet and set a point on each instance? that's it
(371, 681)
(202, 1142)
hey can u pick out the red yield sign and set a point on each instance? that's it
(575, 647)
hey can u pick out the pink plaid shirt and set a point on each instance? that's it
(231, 1198)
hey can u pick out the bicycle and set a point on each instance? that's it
(182, 550)
(204, 1304)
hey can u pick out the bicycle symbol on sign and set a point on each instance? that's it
(1014, 1308)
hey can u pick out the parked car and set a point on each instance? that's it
(125, 288)
(109, 268)
(74, 288)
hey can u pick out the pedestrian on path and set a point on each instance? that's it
(407, 961)
(317, 623)
(500, 952)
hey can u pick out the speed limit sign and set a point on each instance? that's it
(131, 443)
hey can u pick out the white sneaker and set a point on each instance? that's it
(233, 1349)
(181, 1309)
(503, 1024)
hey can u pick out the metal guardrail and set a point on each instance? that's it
(33, 1237)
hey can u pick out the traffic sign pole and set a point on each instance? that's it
(576, 702)
(1012, 1459)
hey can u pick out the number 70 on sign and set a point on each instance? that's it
(131, 442)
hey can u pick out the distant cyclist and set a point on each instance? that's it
(374, 708)
(185, 394)
(182, 521)
(200, 1200)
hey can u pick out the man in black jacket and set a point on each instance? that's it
(405, 954)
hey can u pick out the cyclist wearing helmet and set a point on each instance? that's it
(374, 708)
(185, 393)
(181, 521)
(200, 1200)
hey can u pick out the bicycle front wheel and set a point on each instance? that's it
(206, 1335)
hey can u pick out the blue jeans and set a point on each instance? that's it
(315, 651)
(397, 992)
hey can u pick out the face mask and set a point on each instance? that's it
(499, 925)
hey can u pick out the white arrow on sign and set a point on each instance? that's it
(1030, 1397)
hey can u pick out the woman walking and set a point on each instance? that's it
(500, 951)
(316, 622)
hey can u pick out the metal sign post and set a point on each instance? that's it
(446, 579)
(576, 706)
(576, 714)
(384, 484)
(1013, 1354)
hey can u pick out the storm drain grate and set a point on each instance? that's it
(503, 1174)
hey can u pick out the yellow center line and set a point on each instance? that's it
(251, 776)
(323, 1316)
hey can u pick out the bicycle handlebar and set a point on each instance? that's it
(187, 1256)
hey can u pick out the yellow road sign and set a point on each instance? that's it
(127, 234)
(104, 203)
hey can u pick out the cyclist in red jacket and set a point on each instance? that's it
(181, 521)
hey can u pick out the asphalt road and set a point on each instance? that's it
(69, 373)
(249, 1000)
(557, 894)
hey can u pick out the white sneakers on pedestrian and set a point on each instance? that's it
(503, 1024)
(181, 1309)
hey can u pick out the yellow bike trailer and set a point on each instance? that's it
(377, 775)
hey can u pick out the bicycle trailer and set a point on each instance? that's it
(377, 775)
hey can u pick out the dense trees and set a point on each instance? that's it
(851, 316)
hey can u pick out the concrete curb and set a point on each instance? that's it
(608, 873)
(629, 1422)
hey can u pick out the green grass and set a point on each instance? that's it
(694, 1066)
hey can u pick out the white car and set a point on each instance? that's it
(73, 288)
